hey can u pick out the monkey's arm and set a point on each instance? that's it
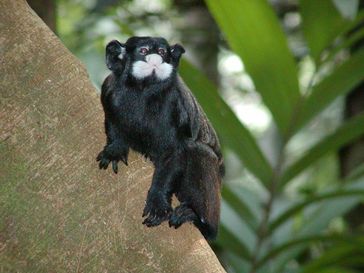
(116, 148)
(199, 127)
(186, 112)
(193, 118)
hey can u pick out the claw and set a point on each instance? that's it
(145, 211)
(115, 166)
(100, 165)
(147, 221)
(124, 159)
(150, 221)
(104, 163)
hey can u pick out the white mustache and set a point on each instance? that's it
(154, 63)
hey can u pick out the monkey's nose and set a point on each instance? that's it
(154, 59)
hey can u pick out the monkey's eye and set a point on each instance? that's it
(161, 51)
(143, 50)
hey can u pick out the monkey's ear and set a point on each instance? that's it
(115, 52)
(176, 51)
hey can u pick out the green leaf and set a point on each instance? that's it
(338, 83)
(321, 23)
(349, 131)
(241, 204)
(309, 201)
(228, 240)
(346, 43)
(304, 241)
(234, 260)
(232, 133)
(346, 254)
(357, 172)
(315, 218)
(254, 33)
(234, 233)
(336, 269)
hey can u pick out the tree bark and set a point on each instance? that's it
(58, 211)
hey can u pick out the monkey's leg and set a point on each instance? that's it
(158, 205)
(116, 148)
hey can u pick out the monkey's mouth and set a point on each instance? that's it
(153, 65)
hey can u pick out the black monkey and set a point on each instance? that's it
(148, 108)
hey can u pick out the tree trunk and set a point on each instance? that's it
(58, 211)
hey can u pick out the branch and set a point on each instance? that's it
(58, 211)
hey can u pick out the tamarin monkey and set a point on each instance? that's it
(148, 108)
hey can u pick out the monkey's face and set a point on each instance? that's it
(151, 57)
(144, 57)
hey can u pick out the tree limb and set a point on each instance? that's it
(58, 211)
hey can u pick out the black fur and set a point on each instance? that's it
(162, 120)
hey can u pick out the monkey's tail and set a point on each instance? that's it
(208, 230)
(201, 186)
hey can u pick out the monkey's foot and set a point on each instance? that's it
(180, 215)
(157, 209)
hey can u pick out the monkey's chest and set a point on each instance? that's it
(146, 125)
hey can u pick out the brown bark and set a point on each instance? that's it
(58, 212)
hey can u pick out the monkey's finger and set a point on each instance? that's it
(174, 221)
(124, 159)
(150, 221)
(104, 163)
(177, 223)
(156, 221)
(115, 166)
(145, 212)
(146, 221)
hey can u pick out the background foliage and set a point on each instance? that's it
(272, 78)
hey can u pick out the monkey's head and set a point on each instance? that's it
(144, 57)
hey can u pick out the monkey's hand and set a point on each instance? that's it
(113, 153)
(157, 209)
